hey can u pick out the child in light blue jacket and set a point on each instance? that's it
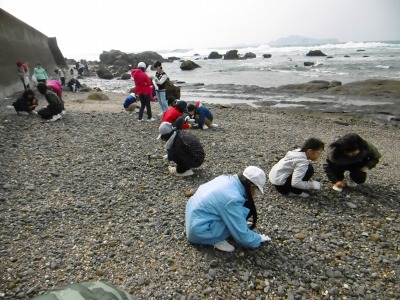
(220, 208)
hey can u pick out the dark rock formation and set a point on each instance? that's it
(315, 53)
(172, 58)
(172, 90)
(267, 55)
(214, 55)
(125, 76)
(250, 55)
(231, 54)
(188, 65)
(104, 73)
(308, 63)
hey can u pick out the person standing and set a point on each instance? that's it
(350, 153)
(40, 73)
(23, 73)
(183, 148)
(292, 174)
(143, 90)
(160, 80)
(55, 105)
(61, 75)
(220, 208)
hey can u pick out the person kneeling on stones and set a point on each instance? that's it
(55, 105)
(26, 102)
(174, 115)
(183, 148)
(350, 153)
(131, 103)
(291, 174)
(203, 118)
(221, 207)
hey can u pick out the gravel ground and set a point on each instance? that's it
(79, 201)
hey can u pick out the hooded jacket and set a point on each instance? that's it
(142, 82)
(295, 162)
(216, 211)
(367, 157)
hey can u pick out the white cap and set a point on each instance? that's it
(256, 176)
(142, 65)
(164, 128)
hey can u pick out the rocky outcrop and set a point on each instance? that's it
(172, 90)
(126, 76)
(250, 55)
(118, 58)
(302, 88)
(308, 63)
(98, 96)
(315, 53)
(188, 65)
(267, 55)
(231, 54)
(104, 73)
(214, 55)
(370, 88)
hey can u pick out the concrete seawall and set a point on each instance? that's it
(19, 41)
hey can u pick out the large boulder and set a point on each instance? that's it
(98, 96)
(231, 54)
(188, 65)
(302, 88)
(315, 53)
(308, 63)
(125, 76)
(214, 55)
(267, 55)
(250, 55)
(104, 73)
(172, 90)
(172, 58)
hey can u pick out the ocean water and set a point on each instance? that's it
(235, 80)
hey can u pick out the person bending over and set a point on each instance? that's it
(221, 207)
(203, 118)
(174, 115)
(183, 148)
(292, 174)
(55, 105)
(350, 153)
(26, 102)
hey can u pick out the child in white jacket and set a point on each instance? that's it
(291, 174)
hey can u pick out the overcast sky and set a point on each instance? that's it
(133, 26)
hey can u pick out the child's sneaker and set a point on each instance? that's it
(151, 120)
(351, 183)
(55, 118)
(224, 246)
(186, 173)
(338, 189)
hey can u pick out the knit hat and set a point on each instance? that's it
(164, 128)
(256, 176)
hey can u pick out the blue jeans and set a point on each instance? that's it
(162, 100)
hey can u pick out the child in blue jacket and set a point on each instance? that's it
(220, 208)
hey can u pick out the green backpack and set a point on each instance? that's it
(97, 290)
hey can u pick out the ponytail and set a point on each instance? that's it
(249, 201)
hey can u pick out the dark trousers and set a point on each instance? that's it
(26, 86)
(62, 81)
(48, 113)
(287, 187)
(356, 174)
(178, 123)
(145, 103)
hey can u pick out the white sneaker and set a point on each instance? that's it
(214, 125)
(338, 189)
(172, 170)
(351, 183)
(55, 118)
(224, 246)
(151, 120)
(161, 113)
(302, 195)
(186, 173)
(140, 120)
(205, 126)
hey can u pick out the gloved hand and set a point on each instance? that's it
(265, 238)
(194, 126)
(315, 185)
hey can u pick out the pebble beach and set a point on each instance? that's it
(81, 201)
